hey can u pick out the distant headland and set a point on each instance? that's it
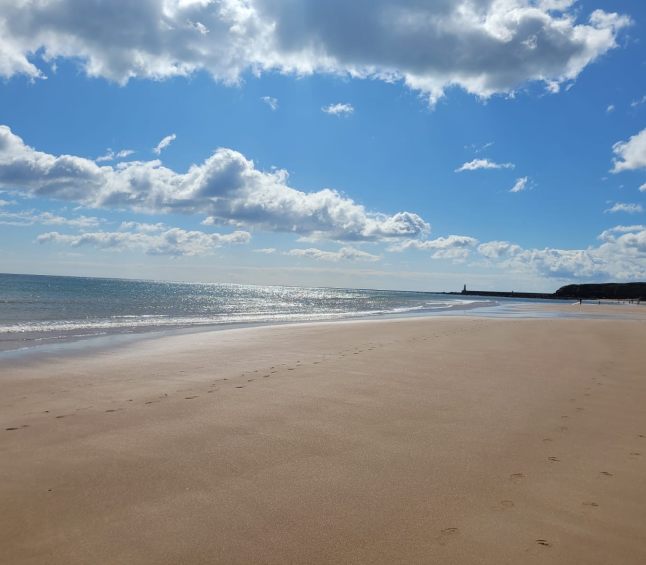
(605, 291)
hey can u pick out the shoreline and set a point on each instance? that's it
(66, 338)
(59, 344)
(438, 439)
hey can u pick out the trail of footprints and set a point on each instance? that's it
(272, 371)
(588, 506)
(446, 535)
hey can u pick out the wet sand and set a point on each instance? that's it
(439, 440)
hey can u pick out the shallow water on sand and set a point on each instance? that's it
(44, 309)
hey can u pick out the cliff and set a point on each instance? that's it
(608, 291)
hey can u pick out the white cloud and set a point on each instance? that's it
(338, 109)
(483, 46)
(142, 227)
(642, 188)
(268, 250)
(31, 217)
(456, 247)
(621, 256)
(609, 234)
(343, 254)
(483, 164)
(631, 154)
(522, 183)
(164, 143)
(479, 148)
(111, 156)
(639, 102)
(271, 102)
(630, 208)
(174, 242)
(227, 188)
(610, 108)
(498, 249)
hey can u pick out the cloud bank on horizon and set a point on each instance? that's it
(230, 191)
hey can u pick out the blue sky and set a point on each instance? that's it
(345, 144)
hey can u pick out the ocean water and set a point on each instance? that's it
(41, 309)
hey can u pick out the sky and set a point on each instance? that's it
(396, 144)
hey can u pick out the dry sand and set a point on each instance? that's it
(439, 440)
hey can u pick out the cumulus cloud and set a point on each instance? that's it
(631, 154)
(621, 256)
(608, 235)
(271, 102)
(456, 247)
(483, 164)
(610, 108)
(338, 109)
(343, 254)
(227, 188)
(174, 242)
(630, 208)
(268, 250)
(482, 46)
(32, 217)
(142, 227)
(498, 249)
(164, 143)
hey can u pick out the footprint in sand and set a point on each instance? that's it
(265, 376)
(64, 416)
(540, 546)
(634, 455)
(191, 397)
(554, 459)
(115, 410)
(591, 504)
(504, 505)
(572, 399)
(446, 534)
(563, 429)
(152, 401)
(606, 474)
(241, 386)
(517, 477)
(580, 409)
(547, 440)
(20, 428)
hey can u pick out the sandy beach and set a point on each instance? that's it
(434, 440)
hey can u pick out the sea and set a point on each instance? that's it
(36, 310)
